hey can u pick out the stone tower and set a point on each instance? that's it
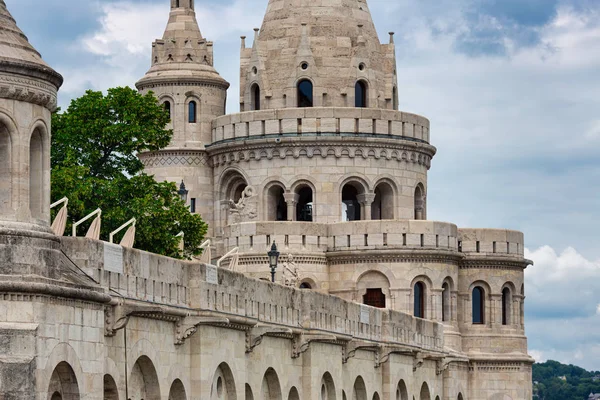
(184, 80)
(28, 90)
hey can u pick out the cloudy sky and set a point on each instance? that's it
(512, 88)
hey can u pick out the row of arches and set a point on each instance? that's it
(305, 95)
(36, 163)
(298, 203)
(192, 110)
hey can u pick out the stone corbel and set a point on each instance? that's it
(442, 365)
(116, 317)
(384, 352)
(255, 335)
(418, 361)
(187, 326)
(350, 348)
(301, 342)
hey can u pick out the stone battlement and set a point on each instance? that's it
(343, 120)
(496, 242)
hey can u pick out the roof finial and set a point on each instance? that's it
(243, 41)
(392, 37)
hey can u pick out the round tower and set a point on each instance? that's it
(184, 80)
(28, 96)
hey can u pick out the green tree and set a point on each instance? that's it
(94, 163)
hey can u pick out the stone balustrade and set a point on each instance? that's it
(320, 121)
(358, 235)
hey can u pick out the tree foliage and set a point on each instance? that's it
(555, 381)
(94, 163)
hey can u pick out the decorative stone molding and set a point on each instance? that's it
(29, 90)
(187, 326)
(345, 258)
(255, 335)
(172, 158)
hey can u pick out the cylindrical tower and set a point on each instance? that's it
(184, 80)
(28, 90)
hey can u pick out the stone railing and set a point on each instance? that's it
(199, 287)
(496, 242)
(359, 235)
(320, 120)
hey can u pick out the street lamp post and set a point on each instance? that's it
(273, 258)
(183, 192)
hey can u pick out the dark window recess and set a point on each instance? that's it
(305, 285)
(374, 298)
(305, 94)
(192, 110)
(360, 94)
(419, 295)
(478, 306)
(193, 206)
(167, 106)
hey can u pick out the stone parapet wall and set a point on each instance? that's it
(321, 120)
(495, 242)
(358, 235)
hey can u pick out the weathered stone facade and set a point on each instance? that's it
(375, 301)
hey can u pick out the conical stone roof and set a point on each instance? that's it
(18, 56)
(182, 54)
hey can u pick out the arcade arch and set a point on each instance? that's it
(143, 383)
(374, 289)
(293, 394)
(359, 392)
(352, 192)
(276, 206)
(63, 383)
(401, 391)
(110, 388)
(425, 394)
(420, 202)
(271, 388)
(327, 387)
(383, 205)
(223, 384)
(177, 391)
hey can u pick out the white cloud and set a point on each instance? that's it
(563, 314)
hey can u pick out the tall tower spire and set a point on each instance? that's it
(184, 80)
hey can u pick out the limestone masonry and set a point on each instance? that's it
(372, 301)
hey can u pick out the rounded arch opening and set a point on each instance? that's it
(506, 305)
(420, 202)
(383, 205)
(255, 96)
(143, 381)
(351, 207)
(375, 396)
(478, 303)
(374, 287)
(177, 391)
(305, 93)
(447, 288)
(5, 169)
(460, 396)
(425, 394)
(361, 94)
(327, 387)
(167, 107)
(63, 383)
(192, 112)
(223, 384)
(419, 299)
(111, 392)
(249, 395)
(36, 174)
(304, 207)
(276, 204)
(293, 394)
(271, 388)
(359, 391)
(401, 391)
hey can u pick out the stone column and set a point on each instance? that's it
(291, 199)
(495, 316)
(365, 200)
(436, 304)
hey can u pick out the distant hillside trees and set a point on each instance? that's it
(555, 381)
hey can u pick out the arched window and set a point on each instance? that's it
(192, 111)
(374, 298)
(5, 167)
(360, 94)
(506, 306)
(383, 205)
(36, 174)
(446, 309)
(419, 202)
(110, 388)
(478, 305)
(255, 93)
(305, 93)
(305, 285)
(167, 106)
(177, 3)
(419, 300)
(304, 208)
(351, 210)
(276, 205)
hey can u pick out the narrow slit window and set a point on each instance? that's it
(305, 94)
(360, 93)
(193, 111)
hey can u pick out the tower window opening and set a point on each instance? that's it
(193, 206)
(445, 302)
(305, 93)
(374, 298)
(360, 94)
(419, 300)
(5, 169)
(255, 93)
(304, 209)
(478, 301)
(419, 202)
(192, 112)
(36, 175)
(167, 106)
(351, 210)
(276, 205)
(506, 304)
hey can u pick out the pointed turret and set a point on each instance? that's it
(331, 44)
